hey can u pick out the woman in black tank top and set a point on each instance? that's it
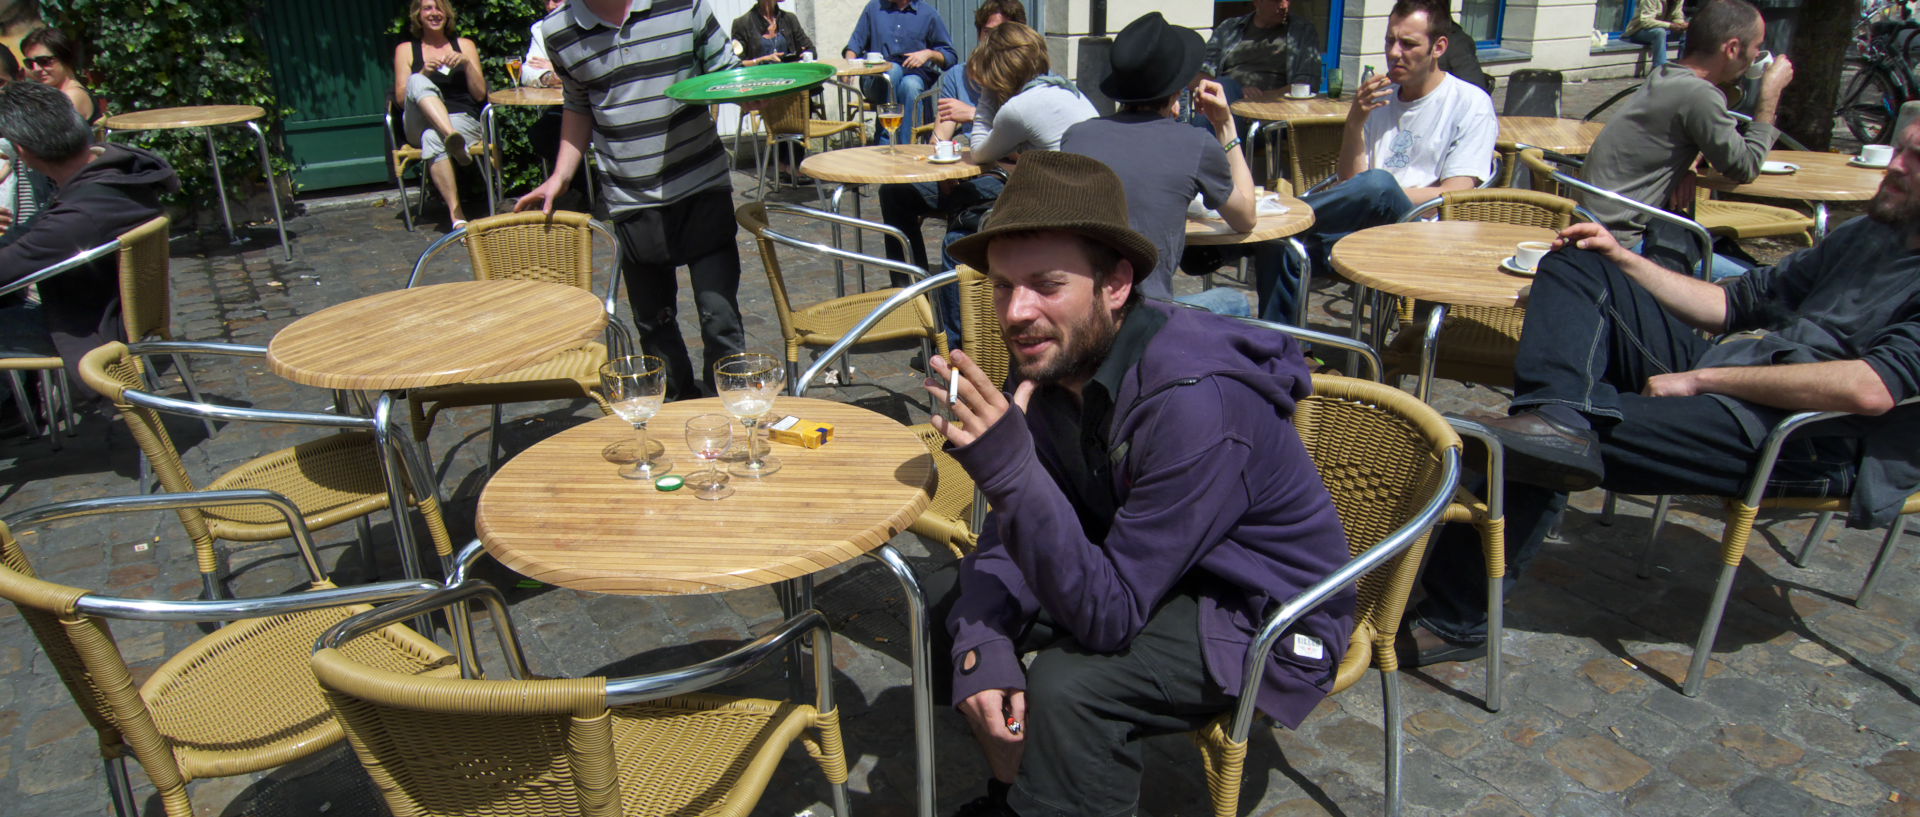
(438, 82)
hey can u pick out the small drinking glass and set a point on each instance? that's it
(890, 115)
(748, 385)
(709, 435)
(636, 386)
(1336, 79)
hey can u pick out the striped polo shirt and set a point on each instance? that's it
(651, 150)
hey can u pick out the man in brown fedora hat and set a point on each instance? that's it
(1150, 499)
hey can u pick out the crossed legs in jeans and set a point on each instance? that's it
(1592, 338)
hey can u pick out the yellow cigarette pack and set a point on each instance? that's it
(805, 433)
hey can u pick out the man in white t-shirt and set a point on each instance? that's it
(1413, 133)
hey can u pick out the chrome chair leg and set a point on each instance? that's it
(1703, 648)
(1390, 703)
(1818, 533)
(1894, 532)
(1660, 507)
(120, 788)
(25, 403)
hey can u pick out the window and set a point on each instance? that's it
(1482, 18)
(1612, 16)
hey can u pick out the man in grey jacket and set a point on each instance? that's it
(1648, 151)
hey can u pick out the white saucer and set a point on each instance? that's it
(1778, 168)
(1508, 265)
(1300, 98)
(1858, 162)
(939, 161)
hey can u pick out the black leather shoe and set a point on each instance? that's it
(1441, 651)
(1545, 453)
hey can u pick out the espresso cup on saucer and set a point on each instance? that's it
(946, 150)
(875, 57)
(1527, 254)
(1759, 65)
(1299, 89)
(1876, 154)
(806, 56)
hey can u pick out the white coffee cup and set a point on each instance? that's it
(875, 56)
(1876, 154)
(946, 150)
(806, 56)
(1526, 254)
(1299, 89)
(1759, 65)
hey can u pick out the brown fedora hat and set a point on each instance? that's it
(1050, 190)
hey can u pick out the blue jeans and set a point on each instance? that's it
(1655, 39)
(906, 86)
(1370, 199)
(1219, 301)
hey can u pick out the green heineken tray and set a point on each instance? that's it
(754, 82)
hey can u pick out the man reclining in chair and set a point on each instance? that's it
(1151, 499)
(1613, 386)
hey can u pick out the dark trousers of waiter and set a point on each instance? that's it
(695, 232)
(1591, 340)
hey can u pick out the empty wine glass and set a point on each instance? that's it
(748, 385)
(636, 386)
(708, 435)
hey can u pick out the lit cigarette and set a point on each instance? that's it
(953, 389)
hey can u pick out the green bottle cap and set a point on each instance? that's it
(669, 482)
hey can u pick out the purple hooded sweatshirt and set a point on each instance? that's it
(1210, 476)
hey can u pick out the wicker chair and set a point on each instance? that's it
(789, 120)
(1475, 343)
(332, 479)
(1741, 513)
(527, 246)
(1392, 465)
(401, 156)
(954, 515)
(54, 389)
(1741, 220)
(237, 701)
(146, 295)
(824, 323)
(644, 745)
(1313, 151)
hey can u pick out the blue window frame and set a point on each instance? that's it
(1612, 16)
(1483, 20)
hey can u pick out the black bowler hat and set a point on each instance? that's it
(1152, 60)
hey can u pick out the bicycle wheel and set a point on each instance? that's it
(1870, 103)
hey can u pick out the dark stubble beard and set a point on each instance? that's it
(1895, 210)
(1083, 348)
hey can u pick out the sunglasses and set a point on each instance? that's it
(44, 61)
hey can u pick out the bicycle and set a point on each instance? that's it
(1883, 76)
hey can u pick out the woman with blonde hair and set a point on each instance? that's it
(1021, 107)
(437, 78)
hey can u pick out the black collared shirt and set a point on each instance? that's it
(1079, 431)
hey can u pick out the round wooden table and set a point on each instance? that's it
(1297, 219)
(1570, 136)
(559, 513)
(875, 165)
(1454, 262)
(1284, 110)
(1822, 177)
(435, 335)
(855, 68)
(206, 117)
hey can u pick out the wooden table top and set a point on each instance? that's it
(854, 68)
(1821, 177)
(191, 116)
(525, 95)
(1283, 110)
(1570, 136)
(1453, 262)
(559, 513)
(873, 165)
(1297, 219)
(435, 335)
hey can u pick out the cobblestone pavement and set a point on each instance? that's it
(1811, 708)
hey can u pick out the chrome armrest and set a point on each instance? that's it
(79, 259)
(859, 330)
(1777, 438)
(1314, 336)
(1294, 609)
(1699, 233)
(835, 252)
(302, 538)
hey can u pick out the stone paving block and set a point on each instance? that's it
(1598, 762)
(1768, 797)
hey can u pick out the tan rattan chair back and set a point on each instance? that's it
(533, 247)
(146, 300)
(786, 113)
(753, 217)
(1506, 205)
(1379, 451)
(1540, 172)
(948, 518)
(1313, 149)
(110, 371)
(980, 325)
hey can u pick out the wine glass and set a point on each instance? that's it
(709, 435)
(748, 384)
(890, 115)
(636, 386)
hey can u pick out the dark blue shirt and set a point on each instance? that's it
(895, 32)
(955, 84)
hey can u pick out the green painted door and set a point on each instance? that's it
(333, 65)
